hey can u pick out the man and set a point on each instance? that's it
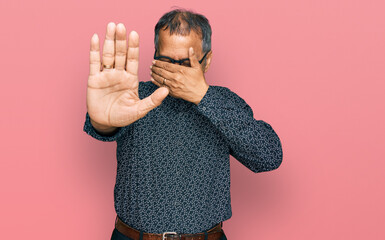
(174, 133)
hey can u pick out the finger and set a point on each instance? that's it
(121, 47)
(133, 53)
(94, 55)
(168, 66)
(159, 79)
(156, 83)
(162, 72)
(109, 45)
(193, 58)
(155, 99)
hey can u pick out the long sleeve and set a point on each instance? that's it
(252, 142)
(90, 130)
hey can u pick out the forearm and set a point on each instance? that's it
(252, 142)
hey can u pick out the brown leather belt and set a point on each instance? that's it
(215, 233)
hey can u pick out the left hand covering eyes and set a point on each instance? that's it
(183, 82)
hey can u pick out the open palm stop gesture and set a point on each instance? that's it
(112, 91)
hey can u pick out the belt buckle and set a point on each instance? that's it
(164, 237)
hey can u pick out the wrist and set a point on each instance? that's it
(102, 128)
(203, 93)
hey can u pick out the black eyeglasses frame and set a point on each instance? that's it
(178, 61)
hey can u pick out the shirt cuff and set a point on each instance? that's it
(208, 99)
(217, 98)
(90, 130)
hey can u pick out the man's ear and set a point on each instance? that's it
(207, 61)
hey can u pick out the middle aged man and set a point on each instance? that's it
(174, 133)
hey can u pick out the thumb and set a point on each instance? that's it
(152, 101)
(193, 58)
(159, 94)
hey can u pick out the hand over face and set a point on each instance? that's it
(183, 82)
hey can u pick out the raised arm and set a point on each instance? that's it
(252, 142)
(112, 90)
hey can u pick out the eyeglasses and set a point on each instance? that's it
(184, 62)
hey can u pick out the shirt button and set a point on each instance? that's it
(203, 108)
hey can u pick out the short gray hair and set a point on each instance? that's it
(194, 21)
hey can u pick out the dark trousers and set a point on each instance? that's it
(116, 235)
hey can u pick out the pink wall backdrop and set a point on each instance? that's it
(314, 70)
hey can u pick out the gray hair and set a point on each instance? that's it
(193, 21)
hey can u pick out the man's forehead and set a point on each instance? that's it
(192, 37)
(177, 45)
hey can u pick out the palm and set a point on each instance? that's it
(112, 93)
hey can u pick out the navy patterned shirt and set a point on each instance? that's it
(173, 165)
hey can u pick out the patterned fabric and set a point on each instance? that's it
(173, 165)
(116, 235)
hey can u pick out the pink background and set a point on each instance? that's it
(314, 70)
